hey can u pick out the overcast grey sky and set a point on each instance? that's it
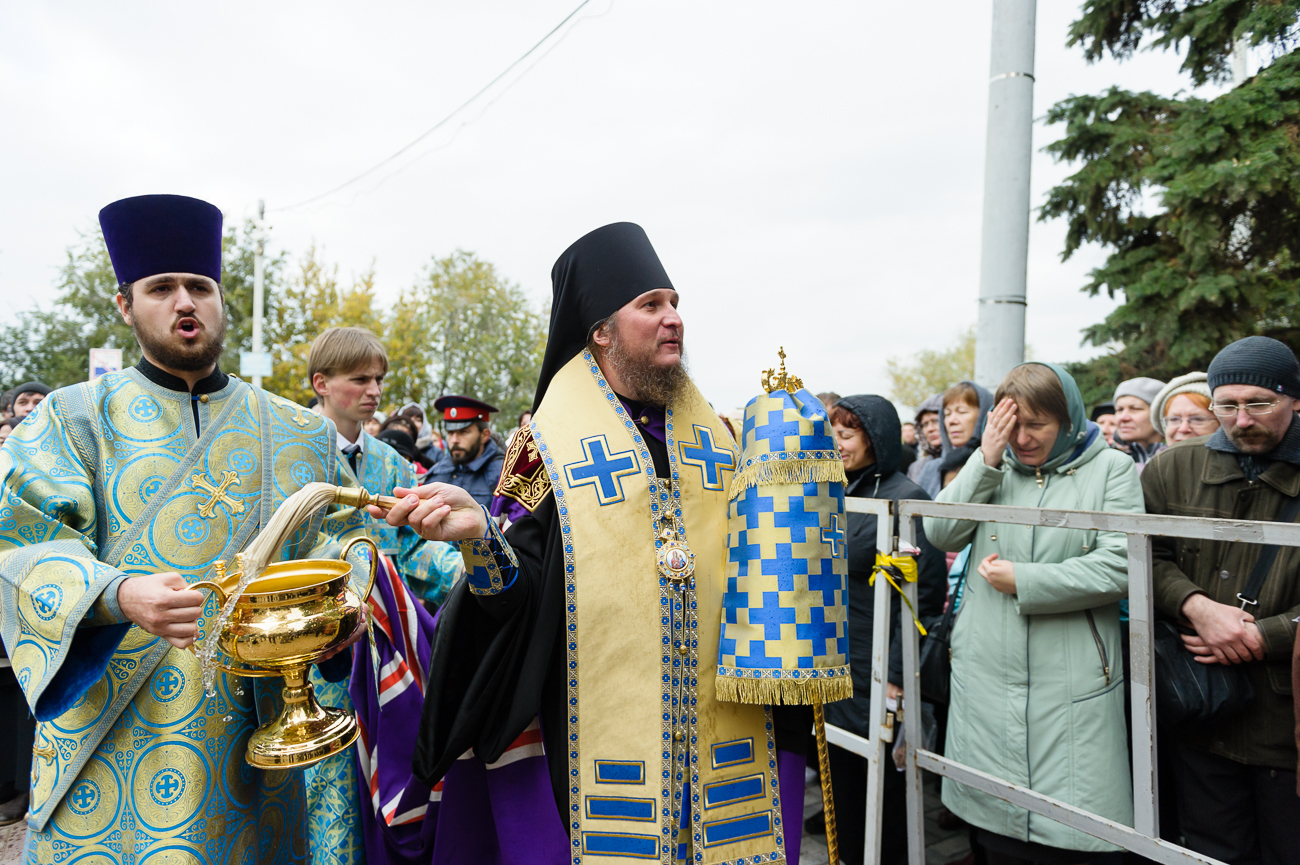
(811, 173)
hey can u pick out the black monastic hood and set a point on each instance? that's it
(593, 279)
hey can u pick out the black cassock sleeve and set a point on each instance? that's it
(494, 656)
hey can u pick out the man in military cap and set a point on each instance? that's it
(124, 492)
(472, 460)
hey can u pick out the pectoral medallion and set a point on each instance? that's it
(676, 561)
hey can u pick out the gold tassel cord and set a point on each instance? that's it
(904, 568)
(787, 472)
(824, 769)
(784, 691)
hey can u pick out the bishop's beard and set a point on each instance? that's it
(648, 381)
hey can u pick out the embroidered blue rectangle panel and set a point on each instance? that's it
(735, 753)
(730, 792)
(737, 829)
(619, 808)
(620, 772)
(620, 844)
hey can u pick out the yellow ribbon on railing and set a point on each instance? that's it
(904, 568)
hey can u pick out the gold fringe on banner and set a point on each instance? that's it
(788, 472)
(790, 692)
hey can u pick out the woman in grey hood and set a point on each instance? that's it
(925, 451)
(964, 395)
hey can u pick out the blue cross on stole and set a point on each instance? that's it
(711, 461)
(602, 469)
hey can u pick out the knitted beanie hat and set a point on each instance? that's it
(1144, 389)
(1258, 361)
(1193, 382)
(30, 387)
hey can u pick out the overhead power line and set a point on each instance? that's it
(435, 127)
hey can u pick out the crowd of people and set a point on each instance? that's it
(484, 535)
(1039, 648)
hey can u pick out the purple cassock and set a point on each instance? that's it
(387, 690)
(504, 813)
(498, 813)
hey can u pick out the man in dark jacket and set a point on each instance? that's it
(868, 434)
(1236, 778)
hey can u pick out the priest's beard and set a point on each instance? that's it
(171, 352)
(648, 381)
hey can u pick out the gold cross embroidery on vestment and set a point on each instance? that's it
(218, 493)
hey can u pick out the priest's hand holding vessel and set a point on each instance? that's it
(163, 605)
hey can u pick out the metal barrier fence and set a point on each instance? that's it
(1143, 837)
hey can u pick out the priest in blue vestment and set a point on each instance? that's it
(117, 495)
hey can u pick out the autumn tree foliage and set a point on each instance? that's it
(461, 328)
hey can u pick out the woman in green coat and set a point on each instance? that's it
(1037, 677)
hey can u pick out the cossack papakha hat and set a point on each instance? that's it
(784, 636)
(151, 234)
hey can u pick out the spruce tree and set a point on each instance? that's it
(1198, 200)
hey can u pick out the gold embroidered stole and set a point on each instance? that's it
(646, 732)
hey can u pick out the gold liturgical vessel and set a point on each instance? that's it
(285, 620)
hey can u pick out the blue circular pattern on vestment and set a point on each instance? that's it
(167, 786)
(150, 487)
(192, 530)
(168, 684)
(84, 797)
(47, 600)
(144, 409)
(242, 460)
(302, 473)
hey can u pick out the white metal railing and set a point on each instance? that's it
(879, 731)
(1143, 837)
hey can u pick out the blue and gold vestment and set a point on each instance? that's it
(133, 763)
(430, 567)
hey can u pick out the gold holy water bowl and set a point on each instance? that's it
(286, 620)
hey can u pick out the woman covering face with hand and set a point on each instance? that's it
(1037, 677)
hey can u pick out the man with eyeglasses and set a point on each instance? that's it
(1236, 776)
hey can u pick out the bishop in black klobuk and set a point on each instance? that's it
(579, 655)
